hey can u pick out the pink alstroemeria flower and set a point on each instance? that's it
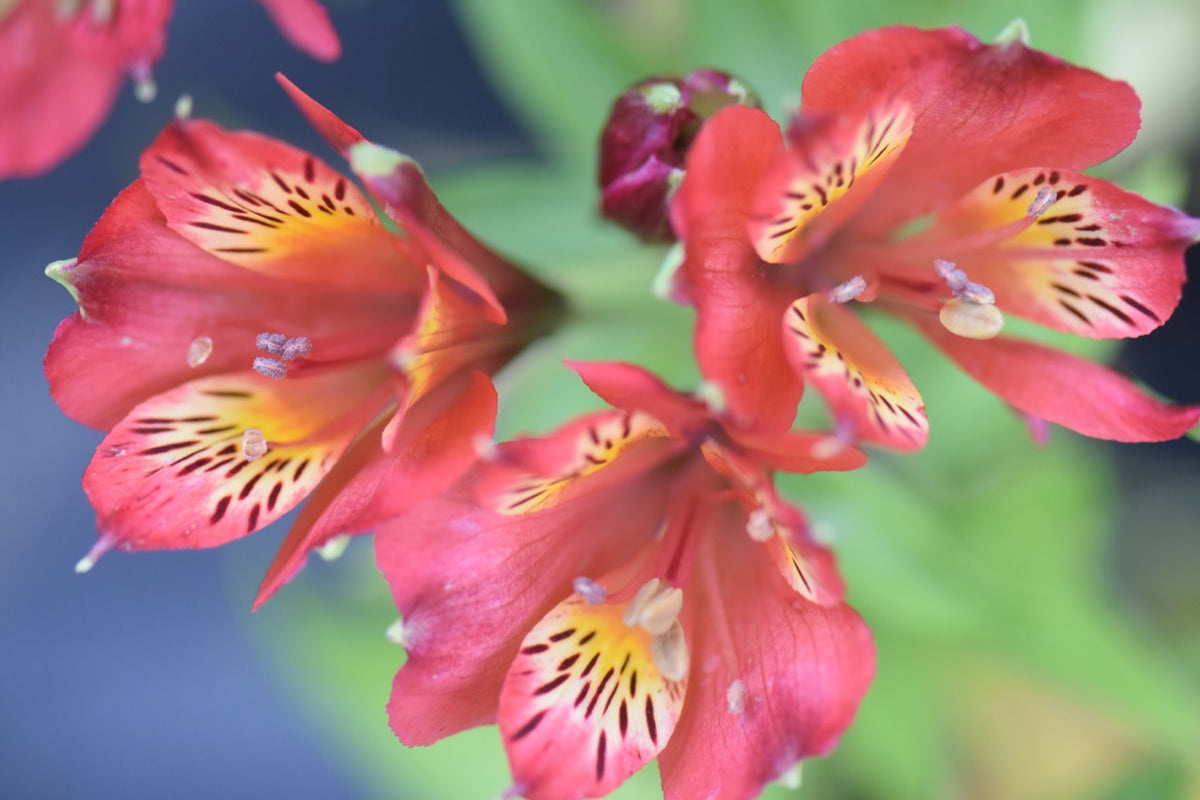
(935, 177)
(629, 587)
(250, 332)
(63, 62)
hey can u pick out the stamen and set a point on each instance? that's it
(1046, 197)
(254, 444)
(592, 592)
(971, 312)
(669, 653)
(971, 320)
(270, 367)
(759, 526)
(199, 351)
(735, 696)
(144, 88)
(655, 607)
(792, 778)
(279, 345)
(851, 289)
(183, 107)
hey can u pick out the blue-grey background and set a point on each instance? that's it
(142, 679)
(146, 678)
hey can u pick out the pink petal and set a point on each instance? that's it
(775, 678)
(305, 23)
(269, 207)
(470, 583)
(1099, 261)
(632, 388)
(738, 299)
(584, 706)
(146, 294)
(179, 471)
(1064, 389)
(980, 110)
(869, 395)
(59, 77)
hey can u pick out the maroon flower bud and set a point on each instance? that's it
(645, 141)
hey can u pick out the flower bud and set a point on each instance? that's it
(645, 142)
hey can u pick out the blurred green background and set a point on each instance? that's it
(1036, 609)
(1037, 617)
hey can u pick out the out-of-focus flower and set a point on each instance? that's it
(934, 176)
(628, 587)
(63, 62)
(250, 332)
(646, 139)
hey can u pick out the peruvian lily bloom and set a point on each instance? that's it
(63, 62)
(629, 587)
(935, 177)
(250, 332)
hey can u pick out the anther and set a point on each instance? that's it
(254, 444)
(270, 367)
(669, 653)
(399, 634)
(655, 607)
(971, 312)
(849, 290)
(279, 345)
(971, 320)
(1046, 197)
(199, 351)
(759, 526)
(592, 592)
(183, 107)
(333, 549)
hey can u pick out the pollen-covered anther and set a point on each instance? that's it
(399, 634)
(199, 350)
(759, 526)
(287, 349)
(183, 107)
(849, 290)
(1046, 197)
(254, 444)
(270, 367)
(592, 592)
(333, 549)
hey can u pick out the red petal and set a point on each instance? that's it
(471, 583)
(868, 392)
(1099, 262)
(305, 23)
(1064, 389)
(738, 300)
(434, 444)
(980, 110)
(176, 473)
(146, 294)
(783, 677)
(399, 184)
(266, 206)
(632, 389)
(830, 169)
(583, 706)
(59, 77)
